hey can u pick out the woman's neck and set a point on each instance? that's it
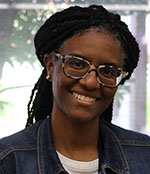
(75, 140)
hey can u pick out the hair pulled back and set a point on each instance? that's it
(60, 27)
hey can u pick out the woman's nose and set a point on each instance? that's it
(90, 81)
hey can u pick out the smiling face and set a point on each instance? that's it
(84, 100)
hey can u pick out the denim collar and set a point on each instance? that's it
(48, 160)
(111, 155)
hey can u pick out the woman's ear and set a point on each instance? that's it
(48, 63)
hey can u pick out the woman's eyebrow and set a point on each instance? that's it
(80, 56)
(104, 63)
(112, 64)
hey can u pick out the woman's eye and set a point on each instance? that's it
(76, 64)
(108, 72)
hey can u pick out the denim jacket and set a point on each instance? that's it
(31, 151)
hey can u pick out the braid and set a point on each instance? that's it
(30, 110)
(40, 104)
(67, 23)
(62, 26)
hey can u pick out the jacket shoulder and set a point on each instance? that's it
(25, 138)
(128, 136)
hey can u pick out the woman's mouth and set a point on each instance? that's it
(83, 97)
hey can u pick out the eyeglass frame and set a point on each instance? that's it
(92, 67)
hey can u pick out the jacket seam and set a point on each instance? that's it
(136, 144)
(7, 152)
(125, 163)
(3, 170)
(39, 144)
(108, 166)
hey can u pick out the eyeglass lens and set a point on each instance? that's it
(76, 67)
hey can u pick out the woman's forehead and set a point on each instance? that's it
(93, 44)
(91, 31)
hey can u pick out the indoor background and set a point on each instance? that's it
(19, 68)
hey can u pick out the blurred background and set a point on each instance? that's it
(19, 68)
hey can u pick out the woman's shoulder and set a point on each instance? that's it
(128, 137)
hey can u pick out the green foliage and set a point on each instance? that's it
(5, 104)
(79, 1)
(25, 23)
(3, 107)
(25, 26)
(112, 1)
(122, 90)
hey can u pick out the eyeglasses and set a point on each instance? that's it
(77, 68)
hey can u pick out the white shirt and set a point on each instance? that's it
(78, 167)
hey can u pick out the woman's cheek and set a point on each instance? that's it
(109, 92)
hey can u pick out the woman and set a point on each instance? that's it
(86, 54)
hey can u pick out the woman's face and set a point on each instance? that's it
(84, 100)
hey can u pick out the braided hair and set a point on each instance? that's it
(62, 26)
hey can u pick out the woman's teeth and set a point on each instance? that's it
(83, 97)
